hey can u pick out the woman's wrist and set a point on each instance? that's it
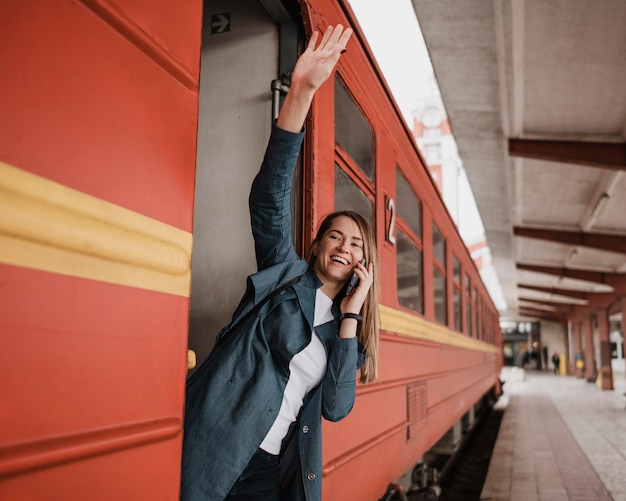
(352, 316)
(349, 324)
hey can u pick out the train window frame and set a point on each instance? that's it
(439, 250)
(411, 231)
(345, 150)
(457, 294)
(404, 238)
(348, 166)
(402, 202)
(467, 298)
(475, 310)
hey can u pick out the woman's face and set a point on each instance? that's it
(337, 252)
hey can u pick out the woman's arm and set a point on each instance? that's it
(339, 383)
(271, 190)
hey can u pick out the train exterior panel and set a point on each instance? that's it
(97, 170)
(129, 137)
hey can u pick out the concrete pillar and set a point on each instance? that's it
(624, 323)
(590, 359)
(569, 348)
(577, 346)
(606, 372)
(565, 360)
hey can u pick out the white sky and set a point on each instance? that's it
(394, 35)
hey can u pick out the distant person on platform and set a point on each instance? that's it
(525, 359)
(556, 360)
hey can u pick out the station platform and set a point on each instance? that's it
(560, 439)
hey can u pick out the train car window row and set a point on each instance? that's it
(354, 189)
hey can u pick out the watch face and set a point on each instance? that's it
(431, 117)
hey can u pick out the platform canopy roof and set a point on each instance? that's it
(535, 91)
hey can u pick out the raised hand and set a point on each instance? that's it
(312, 69)
(317, 63)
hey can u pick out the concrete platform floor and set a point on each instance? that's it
(561, 439)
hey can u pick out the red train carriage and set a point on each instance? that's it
(129, 128)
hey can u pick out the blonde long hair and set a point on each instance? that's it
(367, 333)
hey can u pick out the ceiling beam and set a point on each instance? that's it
(555, 290)
(542, 314)
(615, 280)
(602, 241)
(594, 299)
(590, 154)
(586, 275)
(551, 304)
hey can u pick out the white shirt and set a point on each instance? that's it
(306, 370)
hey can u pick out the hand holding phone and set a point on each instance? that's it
(354, 280)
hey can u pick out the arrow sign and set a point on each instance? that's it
(220, 23)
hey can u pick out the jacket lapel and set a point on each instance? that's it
(306, 289)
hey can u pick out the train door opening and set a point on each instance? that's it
(243, 46)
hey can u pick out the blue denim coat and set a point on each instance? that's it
(234, 397)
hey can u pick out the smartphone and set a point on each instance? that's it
(354, 280)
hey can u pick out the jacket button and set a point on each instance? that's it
(311, 476)
(305, 429)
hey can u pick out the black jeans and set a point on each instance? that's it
(259, 480)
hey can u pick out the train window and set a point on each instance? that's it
(439, 246)
(456, 293)
(456, 297)
(456, 270)
(439, 281)
(482, 319)
(348, 196)
(439, 276)
(475, 308)
(409, 206)
(480, 328)
(409, 272)
(352, 132)
(468, 305)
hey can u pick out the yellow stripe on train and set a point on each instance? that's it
(400, 322)
(47, 226)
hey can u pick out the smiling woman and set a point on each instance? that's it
(342, 240)
(291, 354)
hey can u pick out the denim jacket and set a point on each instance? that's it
(233, 399)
